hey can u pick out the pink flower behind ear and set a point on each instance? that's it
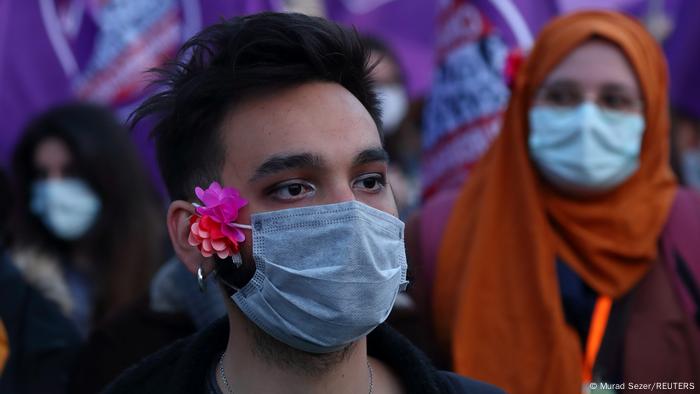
(211, 230)
(221, 204)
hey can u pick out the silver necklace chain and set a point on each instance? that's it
(230, 390)
(371, 377)
(223, 374)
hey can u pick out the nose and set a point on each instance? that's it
(339, 192)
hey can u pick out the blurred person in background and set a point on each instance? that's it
(401, 136)
(686, 148)
(175, 307)
(402, 142)
(86, 230)
(173, 291)
(40, 343)
(571, 256)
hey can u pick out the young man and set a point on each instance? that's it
(281, 108)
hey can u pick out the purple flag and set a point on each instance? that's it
(52, 51)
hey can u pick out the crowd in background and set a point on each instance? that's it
(534, 254)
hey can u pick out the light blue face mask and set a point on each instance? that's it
(325, 275)
(585, 148)
(67, 207)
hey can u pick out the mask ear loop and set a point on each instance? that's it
(243, 226)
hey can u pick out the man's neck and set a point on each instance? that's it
(247, 371)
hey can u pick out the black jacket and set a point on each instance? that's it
(183, 367)
(43, 342)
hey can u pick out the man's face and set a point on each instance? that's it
(311, 144)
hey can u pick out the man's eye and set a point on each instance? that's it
(292, 191)
(372, 183)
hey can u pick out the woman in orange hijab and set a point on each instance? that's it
(550, 261)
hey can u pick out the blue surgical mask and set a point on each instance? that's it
(394, 104)
(585, 148)
(325, 275)
(67, 207)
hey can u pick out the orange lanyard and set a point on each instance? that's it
(599, 321)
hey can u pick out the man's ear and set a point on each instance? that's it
(179, 214)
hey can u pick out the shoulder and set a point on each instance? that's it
(151, 375)
(460, 384)
(414, 369)
(179, 368)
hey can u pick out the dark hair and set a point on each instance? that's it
(380, 47)
(232, 61)
(125, 244)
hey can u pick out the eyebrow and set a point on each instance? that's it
(370, 156)
(618, 87)
(560, 83)
(569, 83)
(279, 163)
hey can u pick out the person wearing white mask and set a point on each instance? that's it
(279, 190)
(401, 135)
(85, 224)
(685, 134)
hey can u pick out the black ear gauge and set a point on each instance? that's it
(226, 283)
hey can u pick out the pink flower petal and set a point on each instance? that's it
(206, 246)
(197, 229)
(223, 254)
(233, 233)
(240, 236)
(218, 245)
(199, 192)
(193, 240)
(207, 254)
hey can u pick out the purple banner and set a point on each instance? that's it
(52, 51)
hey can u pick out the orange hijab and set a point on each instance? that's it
(497, 302)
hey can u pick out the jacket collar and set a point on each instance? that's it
(186, 364)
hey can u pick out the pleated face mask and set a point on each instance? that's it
(325, 276)
(585, 147)
(67, 207)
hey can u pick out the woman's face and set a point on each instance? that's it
(587, 123)
(597, 72)
(63, 201)
(52, 159)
